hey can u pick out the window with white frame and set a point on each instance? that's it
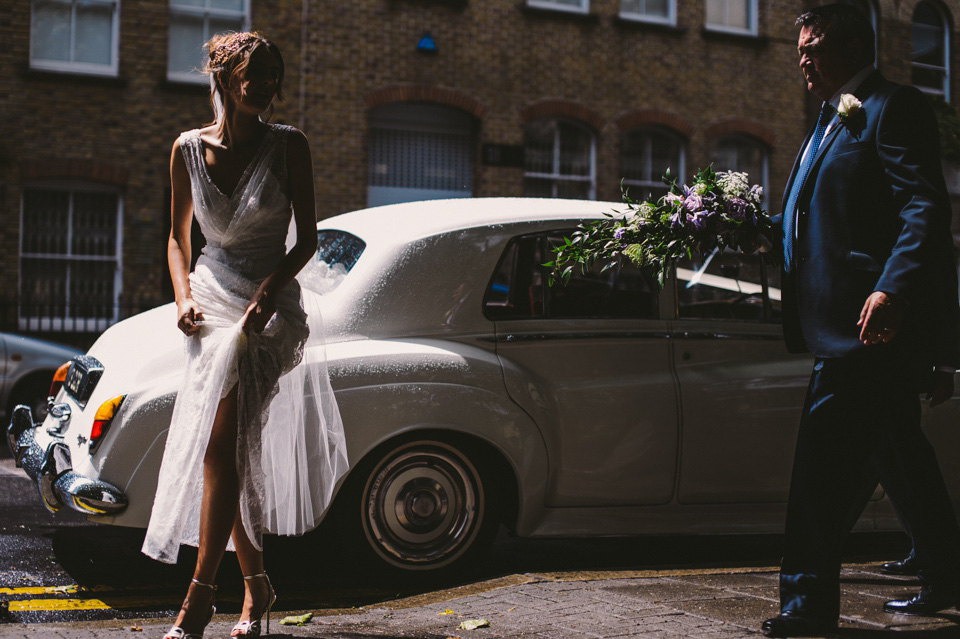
(930, 39)
(74, 36)
(560, 160)
(419, 151)
(743, 154)
(733, 16)
(646, 154)
(658, 11)
(578, 6)
(70, 248)
(193, 22)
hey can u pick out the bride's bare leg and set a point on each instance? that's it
(255, 591)
(218, 511)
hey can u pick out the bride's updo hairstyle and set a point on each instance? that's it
(229, 55)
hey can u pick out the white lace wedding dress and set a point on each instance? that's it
(291, 449)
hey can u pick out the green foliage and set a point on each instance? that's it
(717, 211)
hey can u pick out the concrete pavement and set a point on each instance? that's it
(716, 603)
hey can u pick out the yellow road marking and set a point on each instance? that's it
(34, 605)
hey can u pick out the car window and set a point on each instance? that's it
(518, 287)
(728, 285)
(339, 247)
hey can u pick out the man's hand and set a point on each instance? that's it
(942, 388)
(880, 318)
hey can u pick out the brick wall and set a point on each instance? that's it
(498, 60)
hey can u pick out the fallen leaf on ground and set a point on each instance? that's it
(297, 620)
(136, 629)
(473, 624)
(446, 612)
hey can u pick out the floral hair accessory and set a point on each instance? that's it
(849, 106)
(229, 46)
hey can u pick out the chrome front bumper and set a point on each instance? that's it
(53, 472)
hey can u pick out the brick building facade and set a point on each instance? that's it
(384, 85)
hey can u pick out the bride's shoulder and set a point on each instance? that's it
(187, 136)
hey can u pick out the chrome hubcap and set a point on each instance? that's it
(423, 505)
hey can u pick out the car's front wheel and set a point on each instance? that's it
(420, 505)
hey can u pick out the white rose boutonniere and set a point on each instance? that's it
(849, 107)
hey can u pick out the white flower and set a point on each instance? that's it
(849, 106)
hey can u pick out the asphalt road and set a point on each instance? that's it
(63, 568)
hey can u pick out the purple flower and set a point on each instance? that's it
(619, 233)
(737, 209)
(693, 202)
(677, 219)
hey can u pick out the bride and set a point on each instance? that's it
(256, 442)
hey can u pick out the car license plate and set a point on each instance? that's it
(82, 378)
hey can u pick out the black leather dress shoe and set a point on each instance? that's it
(931, 599)
(793, 624)
(907, 566)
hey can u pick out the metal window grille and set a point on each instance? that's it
(69, 259)
(421, 160)
(560, 160)
(193, 22)
(74, 35)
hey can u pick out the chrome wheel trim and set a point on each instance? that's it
(423, 505)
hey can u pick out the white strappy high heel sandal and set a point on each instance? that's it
(252, 629)
(176, 632)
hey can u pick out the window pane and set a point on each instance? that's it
(575, 143)
(228, 5)
(94, 224)
(187, 3)
(573, 190)
(45, 221)
(928, 45)
(565, 3)
(740, 154)
(185, 52)
(622, 291)
(50, 31)
(655, 8)
(224, 25)
(725, 285)
(43, 287)
(94, 34)
(537, 187)
(516, 291)
(91, 289)
(538, 145)
(728, 13)
(715, 12)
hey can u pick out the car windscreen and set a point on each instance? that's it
(339, 247)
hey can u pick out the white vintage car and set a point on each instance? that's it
(474, 394)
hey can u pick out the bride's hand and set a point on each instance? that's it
(258, 313)
(190, 317)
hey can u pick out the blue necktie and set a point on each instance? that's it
(790, 210)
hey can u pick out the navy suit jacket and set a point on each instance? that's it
(874, 215)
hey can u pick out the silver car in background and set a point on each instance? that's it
(474, 394)
(26, 370)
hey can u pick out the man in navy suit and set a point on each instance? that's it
(870, 289)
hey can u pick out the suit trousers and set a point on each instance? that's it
(860, 426)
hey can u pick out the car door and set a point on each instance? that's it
(742, 393)
(590, 363)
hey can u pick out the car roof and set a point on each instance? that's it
(401, 223)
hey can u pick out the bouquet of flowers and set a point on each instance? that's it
(717, 211)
